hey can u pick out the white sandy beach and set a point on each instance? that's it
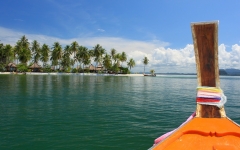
(86, 74)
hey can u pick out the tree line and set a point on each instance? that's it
(57, 58)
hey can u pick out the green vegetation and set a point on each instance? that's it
(145, 62)
(46, 68)
(152, 71)
(59, 59)
(2, 67)
(22, 67)
(131, 63)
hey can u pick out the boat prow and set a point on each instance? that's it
(210, 129)
(149, 75)
(203, 134)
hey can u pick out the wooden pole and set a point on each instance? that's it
(205, 40)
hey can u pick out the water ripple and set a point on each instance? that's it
(97, 112)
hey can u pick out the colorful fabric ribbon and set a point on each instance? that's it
(210, 96)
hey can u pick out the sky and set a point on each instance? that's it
(157, 29)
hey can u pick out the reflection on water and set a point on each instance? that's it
(97, 112)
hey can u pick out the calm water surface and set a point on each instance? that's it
(98, 112)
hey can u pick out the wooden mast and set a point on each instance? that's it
(210, 129)
(205, 39)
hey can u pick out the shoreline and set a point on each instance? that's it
(80, 74)
(98, 74)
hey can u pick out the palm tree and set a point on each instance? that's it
(91, 55)
(22, 50)
(116, 64)
(131, 63)
(78, 56)
(1, 53)
(152, 71)
(83, 56)
(113, 54)
(6, 53)
(24, 56)
(56, 54)
(24, 42)
(36, 51)
(16, 51)
(145, 62)
(123, 57)
(74, 48)
(45, 50)
(98, 52)
(66, 60)
(54, 62)
(117, 59)
(107, 61)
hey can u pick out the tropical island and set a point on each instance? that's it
(74, 58)
(58, 59)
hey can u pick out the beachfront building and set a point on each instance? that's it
(93, 69)
(100, 68)
(35, 68)
(11, 67)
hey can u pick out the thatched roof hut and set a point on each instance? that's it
(35, 67)
(100, 67)
(11, 67)
(95, 69)
(91, 68)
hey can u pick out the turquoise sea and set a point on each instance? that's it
(98, 112)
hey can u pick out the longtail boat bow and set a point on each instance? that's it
(210, 128)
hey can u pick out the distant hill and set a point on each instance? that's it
(222, 72)
(233, 72)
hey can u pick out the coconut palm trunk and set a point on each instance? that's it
(145, 62)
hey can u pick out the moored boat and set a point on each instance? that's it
(209, 128)
(150, 75)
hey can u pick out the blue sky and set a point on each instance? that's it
(158, 29)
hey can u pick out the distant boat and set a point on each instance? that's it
(208, 128)
(150, 75)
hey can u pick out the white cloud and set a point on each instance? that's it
(176, 57)
(229, 59)
(161, 58)
(101, 30)
(173, 60)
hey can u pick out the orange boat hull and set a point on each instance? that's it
(204, 134)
